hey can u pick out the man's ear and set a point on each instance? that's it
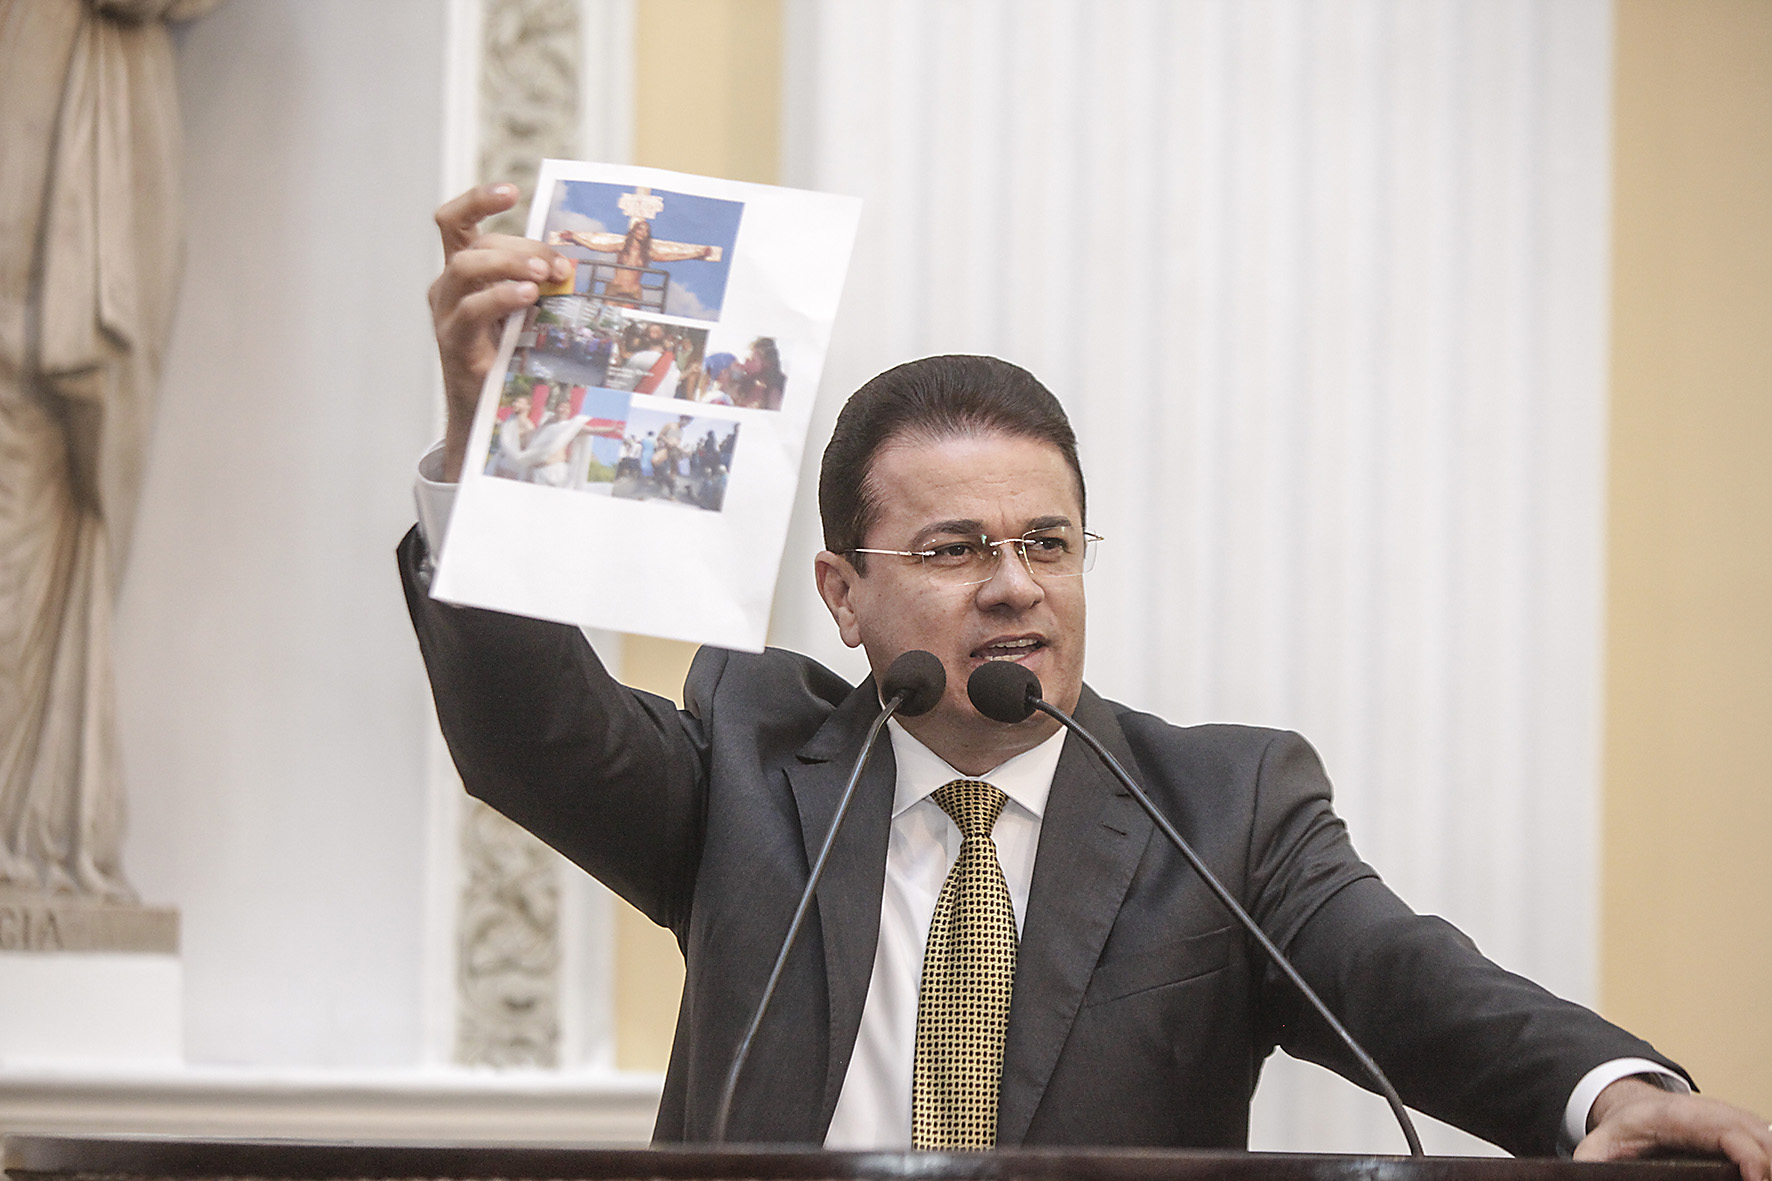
(837, 583)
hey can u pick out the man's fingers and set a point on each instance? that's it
(1603, 1143)
(458, 219)
(495, 260)
(1751, 1154)
(463, 331)
(1686, 1123)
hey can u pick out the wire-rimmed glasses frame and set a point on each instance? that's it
(972, 561)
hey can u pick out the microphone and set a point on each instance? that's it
(919, 678)
(912, 686)
(1004, 691)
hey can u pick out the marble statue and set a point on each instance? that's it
(90, 242)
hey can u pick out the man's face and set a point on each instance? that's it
(993, 484)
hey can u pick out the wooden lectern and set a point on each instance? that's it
(86, 1158)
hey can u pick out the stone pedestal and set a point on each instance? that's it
(85, 982)
(30, 921)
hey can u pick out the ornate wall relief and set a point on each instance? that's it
(528, 94)
(508, 940)
(508, 953)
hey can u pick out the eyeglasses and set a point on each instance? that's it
(1059, 552)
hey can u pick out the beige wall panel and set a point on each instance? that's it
(709, 87)
(1687, 902)
(648, 965)
(707, 100)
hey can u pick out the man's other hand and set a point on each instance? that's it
(485, 278)
(1636, 1118)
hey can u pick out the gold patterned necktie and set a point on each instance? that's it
(968, 973)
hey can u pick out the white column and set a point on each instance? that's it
(502, 103)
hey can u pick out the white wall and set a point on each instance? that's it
(273, 708)
(1322, 284)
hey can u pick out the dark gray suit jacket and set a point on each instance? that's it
(1140, 1016)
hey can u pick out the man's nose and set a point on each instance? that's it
(1011, 583)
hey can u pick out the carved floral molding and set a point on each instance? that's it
(528, 94)
(508, 949)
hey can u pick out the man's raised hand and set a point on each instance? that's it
(485, 278)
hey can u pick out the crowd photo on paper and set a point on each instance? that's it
(567, 416)
(629, 326)
(676, 458)
(582, 341)
(557, 435)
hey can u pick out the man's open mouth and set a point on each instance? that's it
(1009, 649)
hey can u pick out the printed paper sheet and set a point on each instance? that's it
(636, 450)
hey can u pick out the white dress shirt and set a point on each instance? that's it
(874, 1108)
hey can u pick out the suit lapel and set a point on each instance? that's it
(1091, 839)
(850, 893)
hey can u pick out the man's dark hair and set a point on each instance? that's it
(928, 400)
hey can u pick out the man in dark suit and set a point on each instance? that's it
(954, 509)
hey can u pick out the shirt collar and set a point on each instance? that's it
(1026, 778)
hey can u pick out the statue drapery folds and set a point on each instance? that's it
(90, 240)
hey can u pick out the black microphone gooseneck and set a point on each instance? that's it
(1004, 691)
(913, 685)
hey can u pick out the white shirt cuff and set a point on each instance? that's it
(435, 499)
(1581, 1100)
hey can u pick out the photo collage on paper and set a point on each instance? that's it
(625, 382)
